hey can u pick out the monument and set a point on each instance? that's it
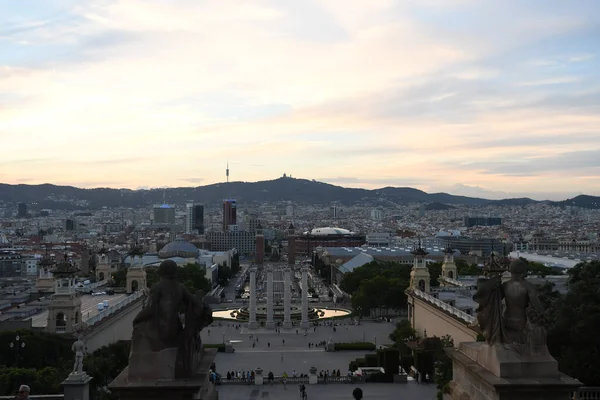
(514, 362)
(167, 359)
(77, 384)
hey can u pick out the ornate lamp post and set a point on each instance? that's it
(17, 345)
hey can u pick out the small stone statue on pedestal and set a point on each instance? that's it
(80, 350)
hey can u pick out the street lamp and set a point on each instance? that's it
(17, 344)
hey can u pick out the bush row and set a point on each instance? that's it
(219, 346)
(355, 346)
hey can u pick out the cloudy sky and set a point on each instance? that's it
(475, 97)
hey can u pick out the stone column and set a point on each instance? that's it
(270, 324)
(258, 376)
(252, 308)
(313, 379)
(287, 298)
(304, 323)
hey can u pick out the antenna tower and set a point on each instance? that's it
(227, 172)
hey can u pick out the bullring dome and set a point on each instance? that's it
(179, 248)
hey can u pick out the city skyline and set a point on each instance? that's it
(455, 96)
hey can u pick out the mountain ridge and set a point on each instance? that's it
(301, 191)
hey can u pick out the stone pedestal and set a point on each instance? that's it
(304, 322)
(270, 323)
(198, 388)
(259, 379)
(252, 306)
(313, 379)
(287, 298)
(77, 387)
(229, 347)
(482, 372)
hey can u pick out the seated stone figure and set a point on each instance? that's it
(160, 345)
(510, 312)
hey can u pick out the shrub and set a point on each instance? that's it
(353, 366)
(355, 346)
(219, 346)
(371, 360)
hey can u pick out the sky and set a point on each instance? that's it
(473, 97)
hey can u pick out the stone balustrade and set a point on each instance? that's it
(445, 306)
(453, 282)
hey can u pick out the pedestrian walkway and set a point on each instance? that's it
(371, 391)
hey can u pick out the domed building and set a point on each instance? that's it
(179, 248)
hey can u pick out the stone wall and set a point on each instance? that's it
(114, 328)
(426, 317)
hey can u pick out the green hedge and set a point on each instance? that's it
(355, 346)
(219, 346)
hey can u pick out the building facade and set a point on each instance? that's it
(229, 213)
(164, 214)
(194, 219)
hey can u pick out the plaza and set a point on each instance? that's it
(273, 355)
(371, 391)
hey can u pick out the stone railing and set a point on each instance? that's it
(445, 306)
(113, 309)
(291, 380)
(91, 286)
(587, 393)
(60, 396)
(453, 282)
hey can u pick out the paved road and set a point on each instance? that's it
(371, 391)
(89, 308)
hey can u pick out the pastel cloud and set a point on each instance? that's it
(432, 93)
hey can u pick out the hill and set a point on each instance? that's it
(301, 191)
(583, 201)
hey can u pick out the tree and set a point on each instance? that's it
(119, 278)
(377, 285)
(224, 275)
(536, 268)
(573, 320)
(435, 271)
(193, 276)
(465, 269)
(105, 364)
(402, 333)
(235, 264)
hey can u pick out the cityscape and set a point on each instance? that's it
(322, 199)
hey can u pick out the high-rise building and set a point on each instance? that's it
(333, 212)
(194, 219)
(21, 210)
(69, 224)
(229, 213)
(164, 214)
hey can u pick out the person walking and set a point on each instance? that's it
(284, 380)
(303, 395)
(357, 393)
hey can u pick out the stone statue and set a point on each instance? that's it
(158, 333)
(198, 315)
(510, 313)
(80, 350)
